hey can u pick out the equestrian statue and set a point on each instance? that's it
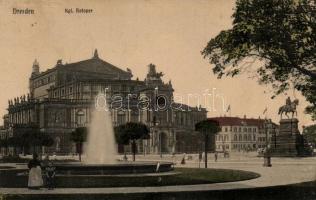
(289, 107)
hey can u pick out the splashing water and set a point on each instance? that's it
(100, 147)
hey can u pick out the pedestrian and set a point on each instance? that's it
(183, 159)
(215, 156)
(35, 179)
(50, 172)
(200, 156)
(125, 157)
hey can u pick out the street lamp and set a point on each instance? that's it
(160, 139)
(274, 132)
(154, 119)
(266, 155)
(265, 124)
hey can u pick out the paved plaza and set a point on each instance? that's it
(284, 171)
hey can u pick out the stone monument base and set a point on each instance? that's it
(289, 142)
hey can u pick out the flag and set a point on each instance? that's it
(228, 108)
(265, 110)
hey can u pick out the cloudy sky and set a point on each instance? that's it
(168, 33)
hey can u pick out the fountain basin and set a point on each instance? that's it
(113, 169)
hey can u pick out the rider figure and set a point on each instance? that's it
(288, 101)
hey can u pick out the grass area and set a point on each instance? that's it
(199, 176)
(187, 176)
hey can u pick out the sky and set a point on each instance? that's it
(132, 34)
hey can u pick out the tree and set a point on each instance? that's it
(309, 133)
(25, 141)
(79, 136)
(131, 132)
(33, 138)
(121, 136)
(47, 141)
(15, 142)
(3, 144)
(281, 35)
(207, 127)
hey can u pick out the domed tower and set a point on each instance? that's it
(35, 72)
(35, 68)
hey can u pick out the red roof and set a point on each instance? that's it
(236, 121)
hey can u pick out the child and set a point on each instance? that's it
(50, 175)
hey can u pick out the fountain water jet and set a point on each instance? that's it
(100, 147)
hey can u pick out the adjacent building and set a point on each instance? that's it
(244, 134)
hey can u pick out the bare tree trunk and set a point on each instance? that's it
(134, 149)
(80, 151)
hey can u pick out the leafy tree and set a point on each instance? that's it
(3, 143)
(47, 141)
(280, 35)
(131, 132)
(14, 142)
(79, 136)
(32, 138)
(25, 141)
(207, 127)
(121, 137)
(309, 133)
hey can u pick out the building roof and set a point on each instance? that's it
(94, 65)
(237, 121)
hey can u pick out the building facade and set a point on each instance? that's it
(62, 98)
(244, 134)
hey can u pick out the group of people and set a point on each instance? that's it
(35, 179)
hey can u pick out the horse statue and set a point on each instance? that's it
(290, 107)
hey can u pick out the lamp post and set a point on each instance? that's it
(274, 133)
(266, 154)
(160, 146)
(155, 123)
(266, 131)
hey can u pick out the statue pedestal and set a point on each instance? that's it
(289, 142)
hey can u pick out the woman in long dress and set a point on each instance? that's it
(35, 174)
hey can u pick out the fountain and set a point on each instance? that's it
(101, 135)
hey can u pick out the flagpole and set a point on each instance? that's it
(230, 110)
